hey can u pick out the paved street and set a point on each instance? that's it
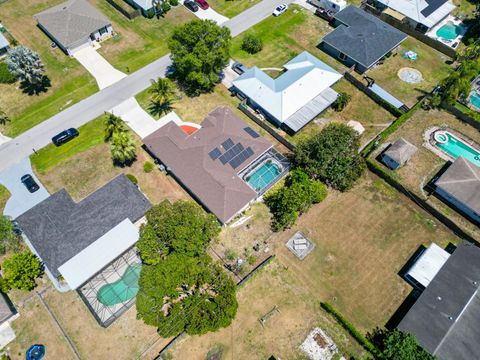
(88, 109)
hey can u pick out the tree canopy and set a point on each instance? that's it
(397, 345)
(25, 65)
(20, 271)
(331, 156)
(182, 227)
(162, 95)
(9, 236)
(200, 49)
(290, 201)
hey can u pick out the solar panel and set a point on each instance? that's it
(240, 158)
(215, 154)
(251, 132)
(227, 144)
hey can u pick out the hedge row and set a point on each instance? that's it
(390, 130)
(352, 330)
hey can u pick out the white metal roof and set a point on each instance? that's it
(99, 254)
(414, 8)
(428, 264)
(3, 41)
(306, 77)
(144, 4)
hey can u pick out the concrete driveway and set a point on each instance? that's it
(21, 199)
(101, 70)
(209, 14)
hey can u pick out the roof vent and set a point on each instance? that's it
(439, 298)
(474, 283)
(450, 318)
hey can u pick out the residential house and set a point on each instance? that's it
(398, 153)
(444, 318)
(421, 15)
(74, 24)
(460, 185)
(225, 165)
(294, 98)
(77, 240)
(360, 39)
(147, 7)
(4, 45)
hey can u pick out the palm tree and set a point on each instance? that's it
(3, 117)
(162, 96)
(113, 124)
(123, 148)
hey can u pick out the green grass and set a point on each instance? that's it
(4, 196)
(231, 8)
(91, 134)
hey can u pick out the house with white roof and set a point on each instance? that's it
(421, 15)
(4, 45)
(147, 7)
(294, 98)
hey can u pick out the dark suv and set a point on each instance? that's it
(191, 5)
(239, 68)
(29, 183)
(65, 136)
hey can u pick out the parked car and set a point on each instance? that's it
(239, 68)
(191, 5)
(280, 9)
(65, 136)
(203, 4)
(29, 183)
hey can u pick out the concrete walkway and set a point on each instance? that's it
(101, 70)
(21, 199)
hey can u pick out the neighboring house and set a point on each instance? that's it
(460, 185)
(360, 39)
(215, 164)
(8, 313)
(398, 153)
(4, 45)
(74, 24)
(147, 7)
(77, 240)
(294, 98)
(422, 15)
(444, 318)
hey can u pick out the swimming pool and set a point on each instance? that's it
(261, 177)
(123, 289)
(450, 31)
(455, 147)
(475, 99)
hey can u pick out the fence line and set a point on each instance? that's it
(461, 116)
(128, 14)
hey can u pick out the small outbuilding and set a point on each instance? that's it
(398, 153)
(74, 24)
(427, 265)
(4, 45)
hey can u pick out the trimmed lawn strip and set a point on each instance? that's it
(231, 8)
(91, 134)
(4, 196)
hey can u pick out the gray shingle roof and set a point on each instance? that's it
(401, 151)
(462, 181)
(6, 308)
(218, 187)
(363, 37)
(72, 22)
(444, 318)
(58, 228)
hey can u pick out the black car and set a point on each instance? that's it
(30, 183)
(65, 136)
(239, 68)
(191, 5)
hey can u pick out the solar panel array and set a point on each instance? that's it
(231, 153)
(240, 158)
(215, 154)
(227, 144)
(251, 132)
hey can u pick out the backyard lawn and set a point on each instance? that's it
(363, 238)
(139, 41)
(4, 196)
(70, 82)
(431, 64)
(231, 8)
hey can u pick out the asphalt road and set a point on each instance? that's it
(90, 108)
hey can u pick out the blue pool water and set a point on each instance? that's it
(475, 99)
(456, 148)
(450, 31)
(263, 176)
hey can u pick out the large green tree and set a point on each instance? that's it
(293, 199)
(182, 227)
(184, 293)
(331, 156)
(397, 345)
(20, 271)
(25, 65)
(200, 49)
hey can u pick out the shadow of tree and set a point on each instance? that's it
(157, 108)
(36, 88)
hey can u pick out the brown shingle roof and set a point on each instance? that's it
(462, 181)
(217, 186)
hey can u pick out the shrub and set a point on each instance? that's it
(230, 255)
(148, 166)
(166, 7)
(6, 77)
(252, 259)
(20, 271)
(132, 178)
(342, 101)
(252, 44)
(174, 2)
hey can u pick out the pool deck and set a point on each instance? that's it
(429, 141)
(433, 32)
